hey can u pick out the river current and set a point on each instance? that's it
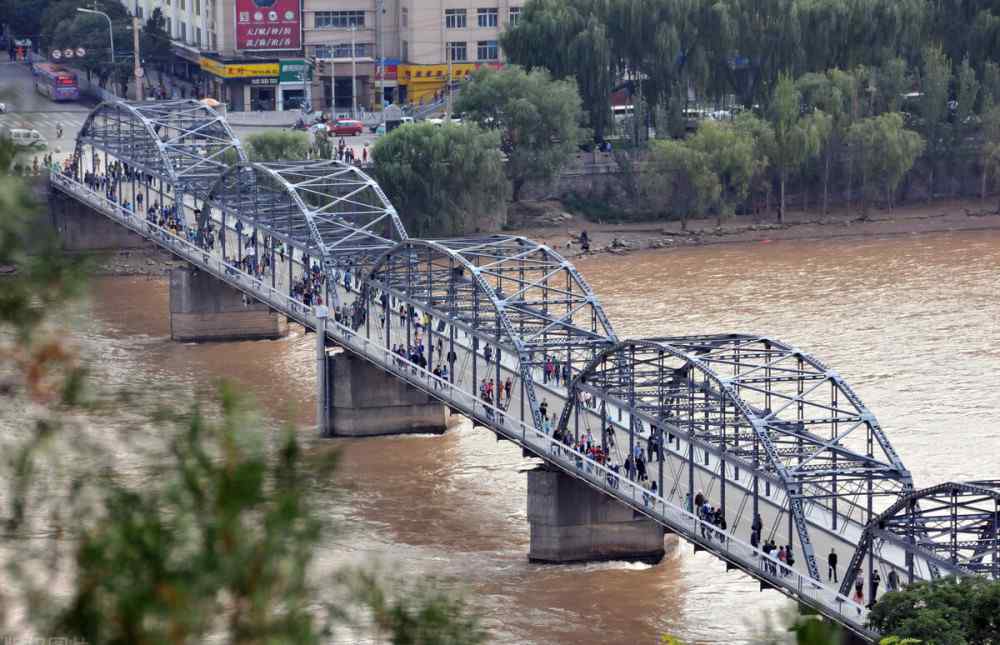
(912, 323)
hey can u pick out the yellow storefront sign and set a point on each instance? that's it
(239, 70)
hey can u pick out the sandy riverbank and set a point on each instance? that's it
(958, 215)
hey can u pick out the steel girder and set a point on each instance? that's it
(183, 142)
(952, 526)
(508, 291)
(758, 404)
(329, 209)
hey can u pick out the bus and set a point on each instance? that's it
(56, 82)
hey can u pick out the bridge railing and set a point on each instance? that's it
(571, 461)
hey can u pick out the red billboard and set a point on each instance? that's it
(263, 25)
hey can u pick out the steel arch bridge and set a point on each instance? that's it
(780, 438)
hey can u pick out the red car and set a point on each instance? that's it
(346, 127)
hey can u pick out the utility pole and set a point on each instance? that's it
(354, 73)
(380, 26)
(140, 90)
(447, 53)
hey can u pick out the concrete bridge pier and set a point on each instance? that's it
(203, 308)
(572, 522)
(83, 229)
(357, 399)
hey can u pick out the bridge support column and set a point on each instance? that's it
(572, 522)
(365, 401)
(83, 229)
(203, 308)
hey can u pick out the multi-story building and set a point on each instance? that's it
(239, 51)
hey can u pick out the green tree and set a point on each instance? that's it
(155, 45)
(963, 117)
(64, 27)
(953, 611)
(989, 151)
(886, 151)
(759, 131)
(834, 93)
(679, 179)
(279, 145)
(934, 82)
(893, 81)
(538, 119)
(730, 153)
(796, 138)
(443, 180)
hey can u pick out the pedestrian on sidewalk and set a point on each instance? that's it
(831, 561)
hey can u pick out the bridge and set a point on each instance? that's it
(774, 441)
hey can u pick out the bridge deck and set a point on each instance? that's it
(514, 422)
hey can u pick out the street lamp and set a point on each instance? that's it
(111, 33)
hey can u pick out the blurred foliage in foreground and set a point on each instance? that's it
(211, 537)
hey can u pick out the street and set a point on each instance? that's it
(28, 109)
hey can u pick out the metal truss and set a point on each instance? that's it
(762, 406)
(184, 142)
(951, 526)
(505, 290)
(329, 209)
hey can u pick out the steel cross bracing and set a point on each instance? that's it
(521, 297)
(758, 405)
(951, 526)
(184, 142)
(763, 406)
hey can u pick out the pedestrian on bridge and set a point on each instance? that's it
(876, 581)
(831, 562)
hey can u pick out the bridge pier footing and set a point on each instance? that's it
(203, 308)
(364, 401)
(572, 522)
(83, 229)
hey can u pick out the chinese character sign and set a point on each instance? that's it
(268, 24)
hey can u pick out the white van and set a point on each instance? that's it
(24, 138)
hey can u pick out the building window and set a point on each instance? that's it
(343, 50)
(514, 16)
(138, 11)
(168, 24)
(406, 50)
(487, 17)
(457, 52)
(197, 36)
(338, 19)
(215, 42)
(182, 32)
(454, 18)
(197, 7)
(486, 50)
(406, 17)
(182, 4)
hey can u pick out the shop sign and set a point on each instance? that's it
(263, 25)
(238, 70)
(264, 81)
(294, 70)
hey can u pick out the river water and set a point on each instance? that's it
(913, 323)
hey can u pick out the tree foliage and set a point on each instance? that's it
(730, 154)
(679, 179)
(443, 180)
(797, 138)
(886, 151)
(63, 26)
(538, 119)
(277, 145)
(953, 611)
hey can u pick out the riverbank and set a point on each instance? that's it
(562, 230)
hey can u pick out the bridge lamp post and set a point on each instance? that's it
(111, 33)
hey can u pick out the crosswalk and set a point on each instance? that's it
(46, 122)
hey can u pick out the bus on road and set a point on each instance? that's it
(56, 82)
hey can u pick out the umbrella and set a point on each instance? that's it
(210, 102)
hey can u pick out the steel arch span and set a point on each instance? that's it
(951, 527)
(521, 296)
(758, 405)
(183, 142)
(328, 209)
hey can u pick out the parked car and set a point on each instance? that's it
(24, 138)
(347, 127)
